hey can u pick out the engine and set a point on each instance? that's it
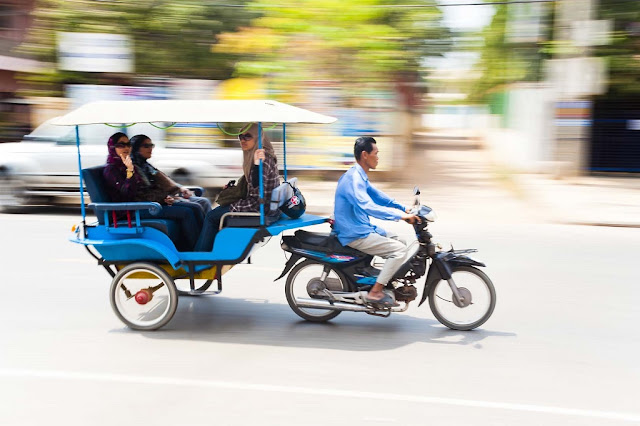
(406, 293)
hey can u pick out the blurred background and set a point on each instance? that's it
(542, 86)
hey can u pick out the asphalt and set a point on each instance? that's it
(461, 183)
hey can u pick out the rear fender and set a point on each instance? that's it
(290, 264)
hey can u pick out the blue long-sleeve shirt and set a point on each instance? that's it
(355, 201)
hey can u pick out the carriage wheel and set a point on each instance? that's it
(143, 296)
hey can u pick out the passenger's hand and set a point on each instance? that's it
(411, 218)
(128, 163)
(186, 193)
(257, 156)
(169, 200)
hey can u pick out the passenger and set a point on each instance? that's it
(252, 156)
(123, 179)
(159, 187)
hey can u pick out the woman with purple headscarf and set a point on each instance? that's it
(123, 180)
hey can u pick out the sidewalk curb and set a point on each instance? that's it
(560, 199)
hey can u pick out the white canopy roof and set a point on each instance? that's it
(171, 111)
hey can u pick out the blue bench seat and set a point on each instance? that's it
(94, 184)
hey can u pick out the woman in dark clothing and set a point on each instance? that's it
(119, 173)
(123, 180)
(251, 159)
(157, 186)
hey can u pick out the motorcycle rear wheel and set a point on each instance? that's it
(296, 286)
(483, 300)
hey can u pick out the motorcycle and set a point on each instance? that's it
(333, 278)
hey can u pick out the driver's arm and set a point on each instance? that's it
(364, 201)
(383, 199)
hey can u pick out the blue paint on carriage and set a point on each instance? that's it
(124, 244)
(285, 223)
(130, 244)
(229, 245)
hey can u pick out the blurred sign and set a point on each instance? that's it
(80, 94)
(89, 52)
(242, 88)
(193, 89)
(591, 33)
(633, 124)
(578, 76)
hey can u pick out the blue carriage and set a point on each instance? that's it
(137, 251)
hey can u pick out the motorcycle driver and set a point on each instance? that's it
(356, 199)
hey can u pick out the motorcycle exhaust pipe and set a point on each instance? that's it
(324, 304)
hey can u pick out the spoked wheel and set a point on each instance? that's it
(143, 296)
(475, 286)
(310, 273)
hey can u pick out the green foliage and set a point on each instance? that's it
(503, 62)
(622, 54)
(170, 38)
(346, 41)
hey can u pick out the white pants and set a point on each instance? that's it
(389, 248)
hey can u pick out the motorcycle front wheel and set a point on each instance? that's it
(296, 288)
(473, 282)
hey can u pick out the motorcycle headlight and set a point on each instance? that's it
(428, 213)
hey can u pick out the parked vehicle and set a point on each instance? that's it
(333, 278)
(43, 168)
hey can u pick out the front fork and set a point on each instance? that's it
(441, 268)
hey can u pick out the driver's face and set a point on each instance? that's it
(371, 158)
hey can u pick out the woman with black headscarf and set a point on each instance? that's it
(119, 173)
(124, 181)
(157, 186)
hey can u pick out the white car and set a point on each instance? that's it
(43, 168)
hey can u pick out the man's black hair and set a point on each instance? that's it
(363, 143)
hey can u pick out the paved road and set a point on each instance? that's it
(561, 347)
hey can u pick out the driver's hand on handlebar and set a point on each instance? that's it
(411, 218)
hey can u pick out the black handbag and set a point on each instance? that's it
(233, 192)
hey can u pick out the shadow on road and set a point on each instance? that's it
(246, 321)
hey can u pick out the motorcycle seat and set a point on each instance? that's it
(324, 241)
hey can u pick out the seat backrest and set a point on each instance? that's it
(94, 184)
(282, 193)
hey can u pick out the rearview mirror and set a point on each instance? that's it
(416, 195)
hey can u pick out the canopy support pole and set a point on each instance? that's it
(82, 209)
(260, 173)
(284, 148)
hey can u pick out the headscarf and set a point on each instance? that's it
(148, 172)
(247, 162)
(114, 158)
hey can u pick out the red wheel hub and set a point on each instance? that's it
(143, 297)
